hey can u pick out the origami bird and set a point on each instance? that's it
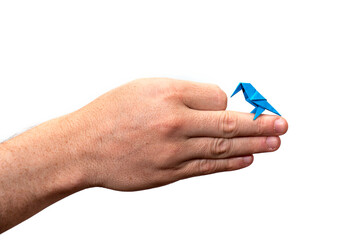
(253, 97)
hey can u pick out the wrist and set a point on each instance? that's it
(38, 168)
(48, 153)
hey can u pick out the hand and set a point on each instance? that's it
(151, 132)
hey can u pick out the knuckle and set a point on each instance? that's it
(207, 166)
(171, 125)
(254, 146)
(161, 89)
(170, 92)
(227, 124)
(260, 126)
(175, 122)
(169, 153)
(220, 147)
(168, 89)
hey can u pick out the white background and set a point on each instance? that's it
(304, 56)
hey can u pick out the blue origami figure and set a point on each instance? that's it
(253, 97)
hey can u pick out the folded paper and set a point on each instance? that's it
(253, 97)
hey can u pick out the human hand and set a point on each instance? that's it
(152, 132)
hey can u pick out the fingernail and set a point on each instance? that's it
(280, 125)
(248, 159)
(272, 142)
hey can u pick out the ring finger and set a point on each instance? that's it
(216, 148)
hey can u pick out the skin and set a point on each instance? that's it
(145, 134)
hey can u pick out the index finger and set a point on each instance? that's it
(229, 124)
(203, 96)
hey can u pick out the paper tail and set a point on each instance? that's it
(238, 89)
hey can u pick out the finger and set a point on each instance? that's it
(201, 96)
(216, 148)
(230, 124)
(208, 166)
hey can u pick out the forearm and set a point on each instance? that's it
(38, 168)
